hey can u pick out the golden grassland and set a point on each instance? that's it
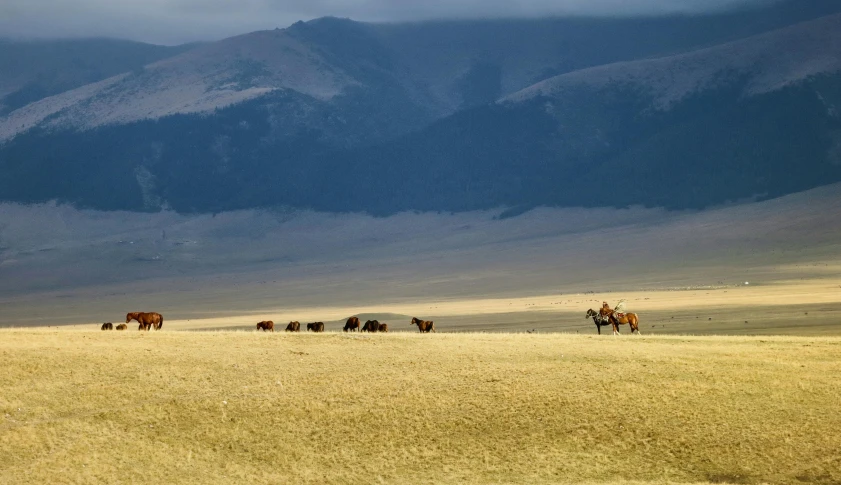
(247, 407)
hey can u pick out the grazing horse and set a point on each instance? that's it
(146, 320)
(315, 327)
(425, 326)
(293, 327)
(266, 325)
(352, 325)
(384, 327)
(598, 319)
(371, 326)
(108, 326)
(122, 326)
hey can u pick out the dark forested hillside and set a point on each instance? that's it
(597, 148)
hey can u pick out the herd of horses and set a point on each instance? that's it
(352, 325)
(148, 320)
(603, 317)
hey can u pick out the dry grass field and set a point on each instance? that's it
(247, 407)
(734, 380)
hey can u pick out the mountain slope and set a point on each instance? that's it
(430, 69)
(33, 70)
(751, 119)
(334, 115)
(765, 62)
(201, 80)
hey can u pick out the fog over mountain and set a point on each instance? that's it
(337, 115)
(175, 21)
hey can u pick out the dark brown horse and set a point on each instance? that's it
(293, 327)
(107, 326)
(371, 326)
(598, 319)
(384, 327)
(315, 327)
(352, 325)
(425, 326)
(266, 326)
(146, 320)
(122, 326)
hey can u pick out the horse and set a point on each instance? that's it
(107, 326)
(384, 327)
(122, 326)
(266, 325)
(619, 317)
(146, 320)
(598, 319)
(293, 327)
(352, 325)
(425, 326)
(371, 326)
(315, 327)
(629, 319)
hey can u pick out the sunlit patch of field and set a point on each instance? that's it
(248, 407)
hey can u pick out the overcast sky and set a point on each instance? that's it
(176, 21)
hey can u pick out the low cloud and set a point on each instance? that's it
(176, 21)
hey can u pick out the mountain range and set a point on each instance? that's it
(337, 115)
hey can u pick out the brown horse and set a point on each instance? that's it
(425, 326)
(598, 319)
(371, 326)
(315, 327)
(122, 326)
(266, 325)
(293, 327)
(629, 319)
(146, 320)
(384, 327)
(108, 326)
(352, 325)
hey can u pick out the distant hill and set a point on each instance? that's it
(338, 115)
(33, 70)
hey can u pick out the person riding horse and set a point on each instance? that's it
(605, 310)
(614, 317)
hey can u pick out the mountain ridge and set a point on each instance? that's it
(241, 123)
(799, 51)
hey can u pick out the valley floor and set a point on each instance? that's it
(234, 407)
(771, 267)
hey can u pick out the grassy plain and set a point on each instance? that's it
(242, 407)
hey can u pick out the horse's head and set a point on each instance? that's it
(590, 314)
(415, 321)
(130, 316)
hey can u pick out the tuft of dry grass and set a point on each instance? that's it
(234, 407)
